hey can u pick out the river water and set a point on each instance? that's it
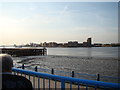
(87, 52)
(102, 60)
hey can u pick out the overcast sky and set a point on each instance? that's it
(25, 22)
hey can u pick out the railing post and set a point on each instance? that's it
(52, 71)
(73, 74)
(62, 85)
(36, 69)
(98, 77)
(23, 66)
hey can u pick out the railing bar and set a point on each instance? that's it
(49, 84)
(29, 77)
(95, 88)
(86, 74)
(55, 84)
(62, 71)
(43, 83)
(110, 77)
(62, 85)
(34, 81)
(38, 83)
(86, 87)
(79, 73)
(78, 86)
(70, 85)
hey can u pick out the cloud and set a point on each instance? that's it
(64, 9)
(32, 8)
(72, 24)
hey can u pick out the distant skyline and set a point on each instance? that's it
(25, 22)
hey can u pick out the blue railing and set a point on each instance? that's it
(97, 77)
(44, 80)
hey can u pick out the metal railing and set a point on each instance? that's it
(44, 80)
(97, 77)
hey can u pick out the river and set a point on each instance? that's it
(87, 52)
(94, 60)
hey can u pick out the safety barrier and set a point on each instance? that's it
(44, 80)
(97, 77)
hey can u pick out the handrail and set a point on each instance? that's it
(110, 77)
(64, 79)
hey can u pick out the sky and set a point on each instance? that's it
(25, 22)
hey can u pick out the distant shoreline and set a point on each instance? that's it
(51, 47)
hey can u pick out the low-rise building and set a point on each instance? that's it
(73, 44)
(97, 45)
